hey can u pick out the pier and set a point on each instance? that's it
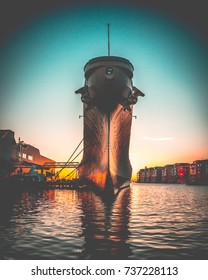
(66, 185)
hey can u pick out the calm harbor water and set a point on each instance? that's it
(147, 221)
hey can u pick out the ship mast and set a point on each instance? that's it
(109, 112)
(108, 39)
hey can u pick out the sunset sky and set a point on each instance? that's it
(42, 66)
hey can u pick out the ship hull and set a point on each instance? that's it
(108, 97)
(106, 148)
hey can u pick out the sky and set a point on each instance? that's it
(42, 65)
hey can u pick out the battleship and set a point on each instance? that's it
(108, 96)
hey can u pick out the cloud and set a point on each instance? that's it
(157, 138)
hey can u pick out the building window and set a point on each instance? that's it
(24, 155)
(30, 157)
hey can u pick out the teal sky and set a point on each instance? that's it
(42, 66)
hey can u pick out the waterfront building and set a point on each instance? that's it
(147, 175)
(8, 152)
(8, 146)
(180, 171)
(198, 172)
(19, 157)
(195, 173)
(164, 172)
(142, 176)
(156, 174)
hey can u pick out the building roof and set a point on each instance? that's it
(5, 132)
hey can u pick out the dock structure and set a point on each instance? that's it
(25, 183)
(30, 170)
(60, 164)
(65, 185)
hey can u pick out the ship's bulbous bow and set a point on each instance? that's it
(108, 97)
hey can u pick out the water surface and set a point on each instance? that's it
(147, 221)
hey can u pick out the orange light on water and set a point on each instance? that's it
(99, 178)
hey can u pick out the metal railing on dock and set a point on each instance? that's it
(61, 164)
(66, 184)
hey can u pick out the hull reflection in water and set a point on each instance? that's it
(108, 97)
(106, 227)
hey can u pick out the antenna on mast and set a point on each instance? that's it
(108, 39)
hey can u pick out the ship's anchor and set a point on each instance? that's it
(130, 97)
(87, 96)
